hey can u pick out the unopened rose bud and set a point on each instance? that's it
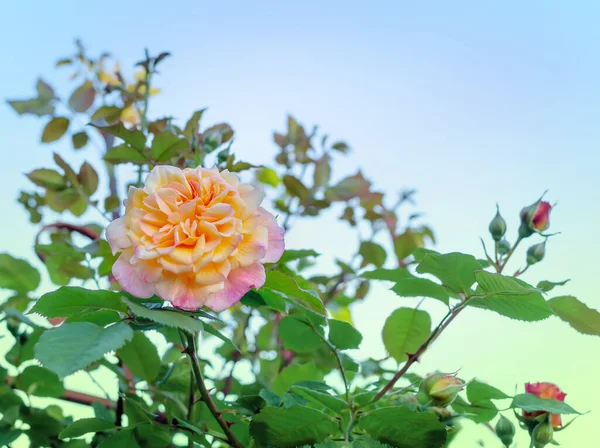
(503, 246)
(536, 253)
(497, 226)
(439, 389)
(535, 218)
(542, 434)
(505, 430)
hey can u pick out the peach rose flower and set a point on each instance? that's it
(546, 391)
(195, 237)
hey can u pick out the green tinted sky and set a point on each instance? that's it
(469, 102)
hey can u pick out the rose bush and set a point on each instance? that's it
(137, 290)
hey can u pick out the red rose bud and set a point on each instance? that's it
(503, 246)
(505, 430)
(439, 389)
(497, 226)
(536, 253)
(546, 391)
(535, 218)
(542, 434)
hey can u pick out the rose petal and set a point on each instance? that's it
(184, 293)
(163, 175)
(130, 280)
(116, 235)
(276, 244)
(239, 282)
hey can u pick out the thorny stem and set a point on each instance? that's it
(190, 409)
(120, 403)
(449, 317)
(191, 351)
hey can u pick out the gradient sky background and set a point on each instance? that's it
(470, 103)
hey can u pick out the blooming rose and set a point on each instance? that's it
(546, 391)
(195, 237)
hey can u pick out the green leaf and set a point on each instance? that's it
(478, 391)
(55, 129)
(509, 297)
(420, 287)
(292, 427)
(83, 97)
(320, 399)
(70, 301)
(547, 286)
(193, 125)
(167, 145)
(124, 154)
(348, 188)
(322, 172)
(268, 176)
(531, 403)
(47, 178)
(170, 318)
(41, 382)
(44, 90)
(17, 274)
(480, 412)
(124, 438)
(132, 137)
(215, 136)
(108, 113)
(392, 275)
(367, 442)
(295, 373)
(296, 188)
(282, 283)
(343, 335)
(406, 243)
(69, 172)
(141, 357)
(35, 106)
(455, 270)
(404, 331)
(85, 426)
(88, 178)
(100, 411)
(372, 253)
(402, 428)
(102, 318)
(216, 333)
(79, 139)
(341, 147)
(297, 335)
(73, 346)
(296, 254)
(577, 314)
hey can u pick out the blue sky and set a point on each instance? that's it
(472, 103)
